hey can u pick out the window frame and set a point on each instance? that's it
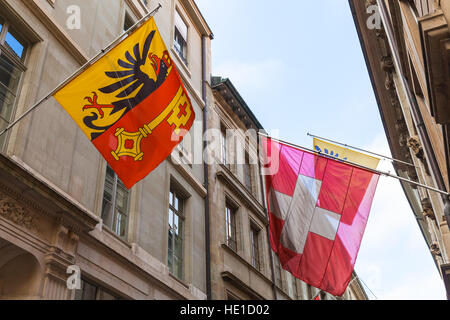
(115, 183)
(182, 55)
(224, 152)
(255, 255)
(174, 193)
(231, 226)
(17, 63)
(248, 177)
(277, 272)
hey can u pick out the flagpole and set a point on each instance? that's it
(81, 69)
(359, 149)
(358, 165)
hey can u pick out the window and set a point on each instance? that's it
(180, 37)
(176, 234)
(254, 241)
(247, 172)
(223, 146)
(115, 204)
(91, 291)
(128, 23)
(277, 271)
(12, 55)
(230, 220)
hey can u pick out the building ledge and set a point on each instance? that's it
(29, 185)
(242, 192)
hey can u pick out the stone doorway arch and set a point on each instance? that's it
(21, 274)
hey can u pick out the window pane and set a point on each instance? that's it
(178, 247)
(9, 74)
(175, 224)
(121, 224)
(6, 104)
(170, 261)
(223, 142)
(180, 45)
(170, 241)
(247, 172)
(14, 44)
(181, 26)
(171, 198)
(122, 198)
(107, 213)
(170, 218)
(177, 268)
(128, 23)
(89, 291)
(109, 188)
(176, 203)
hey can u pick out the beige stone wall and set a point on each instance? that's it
(49, 143)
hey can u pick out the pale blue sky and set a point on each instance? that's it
(300, 68)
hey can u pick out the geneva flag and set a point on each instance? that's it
(318, 210)
(131, 104)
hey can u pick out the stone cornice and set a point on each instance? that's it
(25, 185)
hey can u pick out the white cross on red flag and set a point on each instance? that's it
(318, 210)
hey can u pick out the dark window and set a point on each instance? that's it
(115, 204)
(247, 172)
(12, 54)
(128, 23)
(230, 221)
(223, 146)
(254, 241)
(176, 234)
(180, 37)
(90, 291)
(277, 271)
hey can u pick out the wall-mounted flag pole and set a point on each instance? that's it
(80, 70)
(386, 174)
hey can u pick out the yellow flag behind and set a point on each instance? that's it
(338, 152)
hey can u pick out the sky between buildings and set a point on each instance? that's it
(300, 68)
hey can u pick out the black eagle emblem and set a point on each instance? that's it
(133, 78)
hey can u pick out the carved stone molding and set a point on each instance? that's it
(414, 144)
(434, 248)
(387, 64)
(15, 213)
(427, 209)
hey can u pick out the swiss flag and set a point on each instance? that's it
(318, 210)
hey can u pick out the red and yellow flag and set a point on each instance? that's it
(131, 104)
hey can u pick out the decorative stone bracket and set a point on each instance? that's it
(434, 248)
(427, 209)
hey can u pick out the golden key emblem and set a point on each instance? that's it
(129, 144)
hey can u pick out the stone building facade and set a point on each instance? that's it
(63, 210)
(59, 203)
(242, 263)
(406, 45)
